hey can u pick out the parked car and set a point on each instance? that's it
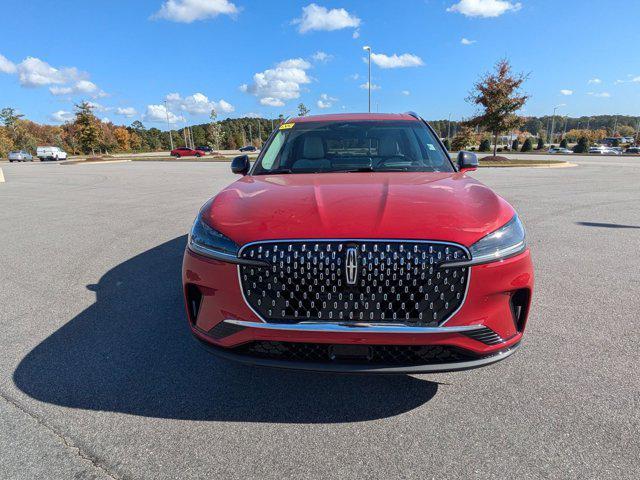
(50, 153)
(20, 156)
(560, 150)
(187, 152)
(355, 244)
(602, 150)
(248, 148)
(633, 150)
(205, 148)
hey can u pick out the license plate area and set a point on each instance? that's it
(350, 352)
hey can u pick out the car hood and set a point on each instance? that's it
(436, 206)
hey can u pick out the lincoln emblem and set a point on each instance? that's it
(351, 265)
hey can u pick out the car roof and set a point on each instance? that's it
(338, 117)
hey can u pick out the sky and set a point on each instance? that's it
(262, 58)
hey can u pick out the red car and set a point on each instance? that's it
(355, 244)
(187, 152)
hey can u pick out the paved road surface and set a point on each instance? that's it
(100, 378)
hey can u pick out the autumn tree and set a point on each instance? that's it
(464, 137)
(499, 96)
(88, 127)
(123, 137)
(6, 143)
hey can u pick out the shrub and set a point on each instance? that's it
(515, 145)
(616, 142)
(447, 145)
(582, 145)
(563, 143)
(526, 146)
(540, 143)
(485, 145)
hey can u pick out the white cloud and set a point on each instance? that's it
(600, 94)
(187, 11)
(484, 8)
(276, 85)
(126, 111)
(355, 34)
(252, 115)
(271, 102)
(595, 81)
(62, 116)
(321, 56)
(198, 104)
(566, 92)
(396, 61)
(365, 86)
(406, 92)
(325, 101)
(354, 76)
(466, 41)
(33, 72)
(158, 113)
(98, 107)
(7, 66)
(315, 17)
(105, 120)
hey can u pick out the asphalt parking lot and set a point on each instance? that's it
(100, 378)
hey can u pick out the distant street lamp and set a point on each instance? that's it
(553, 122)
(368, 49)
(166, 110)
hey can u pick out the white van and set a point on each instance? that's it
(50, 153)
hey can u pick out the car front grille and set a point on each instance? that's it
(368, 354)
(354, 281)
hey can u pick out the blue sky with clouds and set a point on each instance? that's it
(250, 57)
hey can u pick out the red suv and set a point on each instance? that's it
(355, 244)
(187, 152)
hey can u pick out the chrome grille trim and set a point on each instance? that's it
(352, 328)
(357, 241)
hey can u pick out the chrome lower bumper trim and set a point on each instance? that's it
(351, 328)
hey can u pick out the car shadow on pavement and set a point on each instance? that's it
(132, 352)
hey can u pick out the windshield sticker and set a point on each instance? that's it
(286, 126)
(430, 147)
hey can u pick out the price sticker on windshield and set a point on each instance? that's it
(286, 126)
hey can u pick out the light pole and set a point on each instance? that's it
(166, 110)
(553, 122)
(368, 49)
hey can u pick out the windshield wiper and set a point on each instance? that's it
(277, 171)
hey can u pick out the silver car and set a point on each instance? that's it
(20, 156)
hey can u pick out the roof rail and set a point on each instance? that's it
(413, 114)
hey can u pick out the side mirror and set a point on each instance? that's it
(240, 165)
(467, 161)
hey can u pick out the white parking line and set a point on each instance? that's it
(1, 176)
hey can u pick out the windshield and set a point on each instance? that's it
(344, 146)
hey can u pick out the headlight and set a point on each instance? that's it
(504, 242)
(206, 241)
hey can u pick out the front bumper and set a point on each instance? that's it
(485, 329)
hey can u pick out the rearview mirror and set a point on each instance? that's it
(240, 165)
(467, 161)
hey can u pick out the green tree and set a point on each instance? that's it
(303, 111)
(500, 98)
(10, 119)
(446, 144)
(540, 143)
(88, 128)
(563, 143)
(582, 145)
(485, 146)
(527, 146)
(515, 145)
